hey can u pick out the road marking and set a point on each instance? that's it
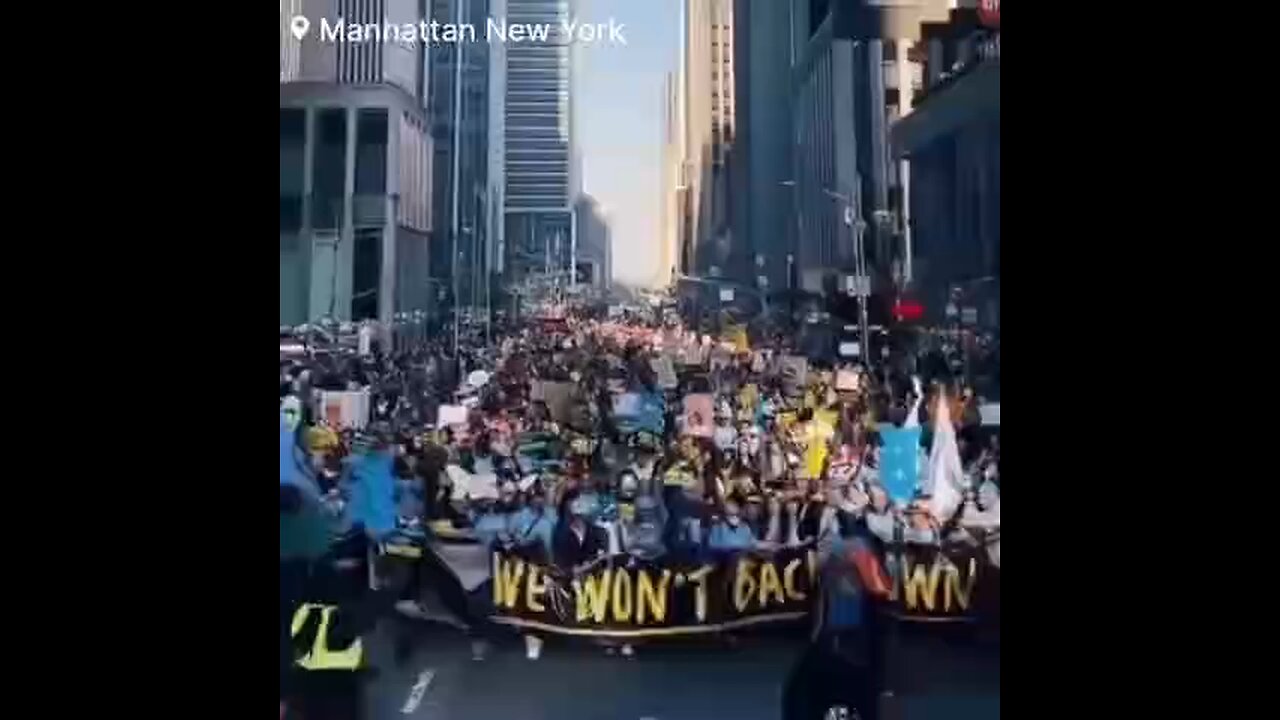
(417, 692)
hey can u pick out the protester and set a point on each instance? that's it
(730, 533)
(538, 461)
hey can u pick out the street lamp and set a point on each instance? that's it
(795, 210)
(853, 218)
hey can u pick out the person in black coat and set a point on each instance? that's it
(575, 540)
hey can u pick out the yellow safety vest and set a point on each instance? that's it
(320, 657)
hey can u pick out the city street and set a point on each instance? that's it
(692, 680)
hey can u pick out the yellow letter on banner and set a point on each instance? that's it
(506, 581)
(744, 586)
(953, 586)
(920, 586)
(770, 584)
(700, 592)
(789, 580)
(593, 595)
(622, 595)
(534, 589)
(649, 596)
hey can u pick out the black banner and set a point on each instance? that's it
(622, 596)
(933, 585)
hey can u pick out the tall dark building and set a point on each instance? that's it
(951, 142)
(763, 230)
(850, 77)
(355, 168)
(471, 197)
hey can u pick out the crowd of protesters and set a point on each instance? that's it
(542, 462)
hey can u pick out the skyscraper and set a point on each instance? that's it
(672, 197)
(850, 83)
(949, 138)
(538, 161)
(460, 111)
(763, 229)
(355, 185)
(709, 133)
(595, 250)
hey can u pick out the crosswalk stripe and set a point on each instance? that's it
(418, 691)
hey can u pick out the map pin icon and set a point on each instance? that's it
(300, 26)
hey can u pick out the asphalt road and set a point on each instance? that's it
(691, 680)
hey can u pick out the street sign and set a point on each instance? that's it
(762, 280)
(952, 310)
(850, 349)
(857, 285)
(726, 295)
(969, 316)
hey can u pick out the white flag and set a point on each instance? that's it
(945, 476)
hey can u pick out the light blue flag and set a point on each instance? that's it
(373, 494)
(900, 461)
(287, 469)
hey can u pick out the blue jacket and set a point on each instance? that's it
(532, 528)
(292, 461)
(725, 537)
(288, 469)
(492, 524)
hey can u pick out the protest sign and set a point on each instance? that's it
(626, 405)
(345, 409)
(816, 437)
(449, 415)
(625, 597)
(990, 414)
(639, 411)
(846, 380)
(466, 485)
(665, 371)
(698, 415)
(558, 397)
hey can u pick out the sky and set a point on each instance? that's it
(619, 116)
